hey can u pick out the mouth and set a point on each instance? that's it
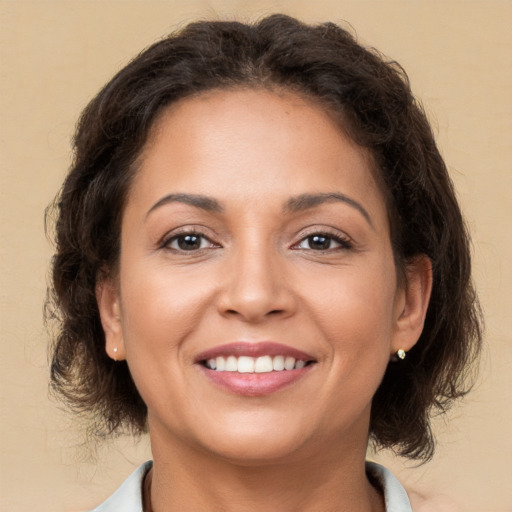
(262, 364)
(254, 369)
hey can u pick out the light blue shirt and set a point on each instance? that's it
(128, 498)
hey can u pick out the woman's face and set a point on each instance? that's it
(255, 238)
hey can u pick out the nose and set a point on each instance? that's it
(257, 286)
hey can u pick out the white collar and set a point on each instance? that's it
(395, 497)
(128, 498)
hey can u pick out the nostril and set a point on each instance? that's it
(272, 312)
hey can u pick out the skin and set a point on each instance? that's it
(256, 277)
(432, 503)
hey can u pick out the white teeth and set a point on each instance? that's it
(245, 364)
(231, 364)
(220, 364)
(278, 363)
(262, 364)
(289, 363)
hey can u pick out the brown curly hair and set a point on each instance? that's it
(375, 106)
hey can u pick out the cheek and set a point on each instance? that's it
(161, 310)
(355, 314)
(355, 300)
(161, 306)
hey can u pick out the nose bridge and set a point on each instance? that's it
(256, 284)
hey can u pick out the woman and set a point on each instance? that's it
(261, 261)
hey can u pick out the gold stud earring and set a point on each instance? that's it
(401, 353)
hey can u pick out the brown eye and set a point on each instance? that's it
(319, 242)
(323, 242)
(188, 242)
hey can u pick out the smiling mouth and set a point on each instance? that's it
(261, 364)
(256, 368)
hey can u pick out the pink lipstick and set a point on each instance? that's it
(254, 369)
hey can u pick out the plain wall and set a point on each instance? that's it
(54, 58)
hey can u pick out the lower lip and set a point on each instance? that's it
(255, 384)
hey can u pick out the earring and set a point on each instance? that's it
(401, 353)
(115, 353)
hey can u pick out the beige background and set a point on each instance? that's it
(56, 55)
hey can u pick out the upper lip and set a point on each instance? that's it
(253, 349)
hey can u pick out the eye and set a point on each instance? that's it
(323, 242)
(188, 242)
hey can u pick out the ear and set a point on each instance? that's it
(412, 303)
(107, 297)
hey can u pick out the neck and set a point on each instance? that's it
(186, 480)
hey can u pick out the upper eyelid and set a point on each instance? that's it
(175, 238)
(175, 233)
(202, 231)
(323, 230)
(342, 242)
(337, 235)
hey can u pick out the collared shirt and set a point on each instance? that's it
(128, 498)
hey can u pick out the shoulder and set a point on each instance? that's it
(128, 498)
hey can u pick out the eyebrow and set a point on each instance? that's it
(203, 202)
(307, 201)
(293, 205)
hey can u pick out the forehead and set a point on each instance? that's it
(252, 142)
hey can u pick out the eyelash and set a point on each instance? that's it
(167, 242)
(344, 243)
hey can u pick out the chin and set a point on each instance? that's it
(258, 451)
(253, 441)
